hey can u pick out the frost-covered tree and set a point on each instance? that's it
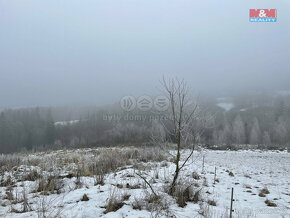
(226, 134)
(266, 138)
(280, 131)
(222, 136)
(158, 133)
(239, 135)
(255, 134)
(187, 122)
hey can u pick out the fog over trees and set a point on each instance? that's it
(52, 55)
(264, 121)
(144, 108)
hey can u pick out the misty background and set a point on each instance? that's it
(55, 53)
(64, 66)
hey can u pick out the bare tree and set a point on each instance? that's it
(186, 120)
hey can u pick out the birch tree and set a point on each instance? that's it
(187, 123)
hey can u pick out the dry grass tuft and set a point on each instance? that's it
(114, 203)
(265, 191)
(211, 202)
(270, 203)
(50, 185)
(195, 176)
(85, 198)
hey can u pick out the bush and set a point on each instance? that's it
(85, 198)
(50, 185)
(114, 203)
(33, 175)
(185, 192)
(195, 176)
(270, 203)
(99, 179)
(137, 204)
(265, 191)
(262, 195)
(157, 205)
(211, 202)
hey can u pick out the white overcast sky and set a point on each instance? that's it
(56, 52)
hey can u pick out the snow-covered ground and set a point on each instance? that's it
(226, 106)
(226, 103)
(65, 123)
(248, 172)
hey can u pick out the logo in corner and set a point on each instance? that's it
(263, 15)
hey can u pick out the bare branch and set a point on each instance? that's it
(147, 183)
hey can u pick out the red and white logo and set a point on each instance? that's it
(263, 15)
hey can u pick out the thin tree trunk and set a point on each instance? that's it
(172, 187)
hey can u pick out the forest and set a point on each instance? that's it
(261, 120)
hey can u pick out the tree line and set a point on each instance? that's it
(267, 126)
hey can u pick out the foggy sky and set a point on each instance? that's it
(57, 52)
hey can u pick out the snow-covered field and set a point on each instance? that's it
(226, 106)
(105, 182)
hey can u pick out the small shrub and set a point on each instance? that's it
(205, 183)
(197, 196)
(14, 210)
(126, 197)
(262, 195)
(164, 164)
(270, 203)
(114, 204)
(231, 174)
(157, 205)
(136, 186)
(7, 182)
(211, 202)
(85, 198)
(186, 193)
(265, 191)
(196, 185)
(137, 204)
(152, 198)
(9, 193)
(99, 179)
(182, 196)
(119, 186)
(32, 176)
(50, 185)
(195, 176)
